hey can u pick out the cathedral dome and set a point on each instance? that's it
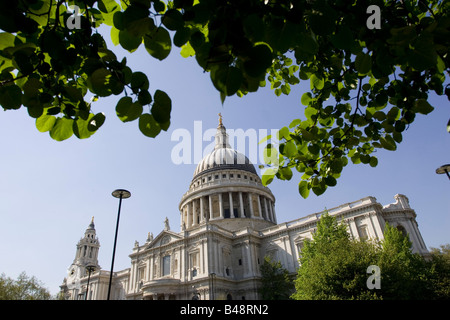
(223, 156)
(227, 191)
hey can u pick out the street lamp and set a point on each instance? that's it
(121, 194)
(444, 169)
(89, 268)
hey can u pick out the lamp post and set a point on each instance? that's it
(89, 268)
(444, 169)
(121, 194)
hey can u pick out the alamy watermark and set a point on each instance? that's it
(373, 21)
(74, 20)
(373, 281)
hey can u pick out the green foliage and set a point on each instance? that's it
(439, 266)
(24, 288)
(404, 275)
(275, 281)
(366, 85)
(57, 70)
(332, 266)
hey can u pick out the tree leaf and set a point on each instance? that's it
(148, 126)
(307, 49)
(139, 81)
(227, 79)
(319, 188)
(98, 82)
(268, 176)
(316, 82)
(363, 63)
(128, 41)
(45, 123)
(161, 107)
(290, 149)
(259, 59)
(388, 143)
(80, 127)
(62, 130)
(96, 122)
(373, 161)
(10, 97)
(181, 37)
(173, 19)
(127, 110)
(306, 98)
(285, 173)
(303, 189)
(330, 181)
(422, 106)
(158, 43)
(6, 40)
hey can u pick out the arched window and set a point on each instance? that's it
(166, 266)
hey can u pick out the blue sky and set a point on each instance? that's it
(50, 190)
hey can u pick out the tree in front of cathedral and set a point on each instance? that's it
(275, 281)
(23, 288)
(332, 266)
(335, 267)
(440, 271)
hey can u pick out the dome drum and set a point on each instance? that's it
(223, 205)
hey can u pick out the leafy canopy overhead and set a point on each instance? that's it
(366, 85)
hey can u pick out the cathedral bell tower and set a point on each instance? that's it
(87, 247)
(86, 256)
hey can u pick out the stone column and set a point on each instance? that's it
(151, 262)
(259, 207)
(244, 254)
(242, 215)
(181, 218)
(250, 258)
(265, 209)
(210, 208)
(230, 196)
(269, 208)
(273, 213)
(220, 263)
(194, 213)
(133, 276)
(147, 264)
(252, 214)
(188, 222)
(201, 210)
(216, 258)
(220, 205)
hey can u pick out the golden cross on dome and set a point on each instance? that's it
(220, 119)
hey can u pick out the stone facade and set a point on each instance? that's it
(228, 225)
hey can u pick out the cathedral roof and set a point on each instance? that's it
(223, 156)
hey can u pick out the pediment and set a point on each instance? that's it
(163, 238)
